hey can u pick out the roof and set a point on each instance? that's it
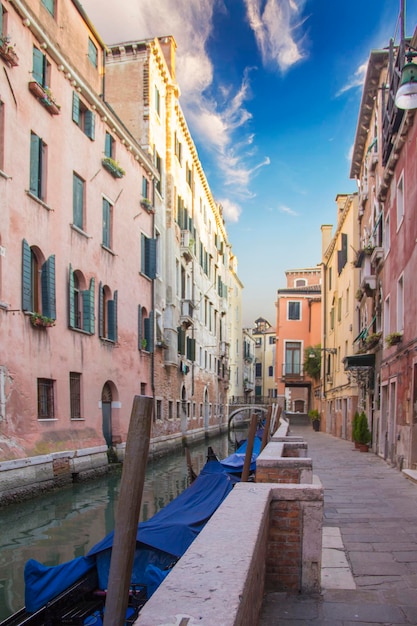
(305, 289)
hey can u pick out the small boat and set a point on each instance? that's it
(74, 592)
(233, 464)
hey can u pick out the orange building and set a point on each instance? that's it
(298, 328)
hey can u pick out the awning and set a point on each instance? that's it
(359, 360)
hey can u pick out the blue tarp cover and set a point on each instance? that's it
(234, 463)
(160, 540)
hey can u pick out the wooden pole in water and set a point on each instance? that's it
(249, 448)
(128, 511)
(265, 434)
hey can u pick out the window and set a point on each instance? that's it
(75, 395)
(387, 236)
(157, 100)
(92, 52)
(146, 330)
(107, 313)
(294, 310)
(170, 409)
(3, 20)
(158, 411)
(272, 341)
(109, 146)
(107, 223)
(78, 201)
(270, 370)
(400, 304)
(40, 68)
(258, 370)
(387, 321)
(293, 358)
(300, 282)
(46, 404)
(82, 116)
(330, 278)
(178, 148)
(189, 176)
(81, 302)
(38, 282)
(50, 6)
(339, 309)
(342, 254)
(145, 187)
(148, 256)
(158, 165)
(400, 200)
(37, 167)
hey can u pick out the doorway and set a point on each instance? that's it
(106, 402)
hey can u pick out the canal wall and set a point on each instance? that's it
(265, 537)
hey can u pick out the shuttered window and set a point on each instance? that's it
(148, 256)
(78, 201)
(83, 117)
(37, 166)
(107, 314)
(38, 283)
(50, 6)
(107, 223)
(39, 67)
(92, 52)
(81, 304)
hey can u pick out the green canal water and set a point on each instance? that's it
(67, 523)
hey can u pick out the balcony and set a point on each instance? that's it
(368, 284)
(292, 372)
(187, 245)
(187, 312)
(8, 52)
(377, 256)
(45, 97)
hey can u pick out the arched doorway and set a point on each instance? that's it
(106, 401)
(183, 410)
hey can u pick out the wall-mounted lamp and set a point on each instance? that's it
(313, 355)
(406, 96)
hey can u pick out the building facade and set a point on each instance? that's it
(115, 261)
(298, 328)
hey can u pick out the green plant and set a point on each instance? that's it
(372, 339)
(113, 167)
(363, 434)
(312, 361)
(355, 426)
(144, 344)
(393, 338)
(42, 321)
(314, 415)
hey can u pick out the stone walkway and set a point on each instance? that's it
(369, 563)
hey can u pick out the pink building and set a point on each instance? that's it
(298, 327)
(76, 262)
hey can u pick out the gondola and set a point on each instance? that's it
(74, 593)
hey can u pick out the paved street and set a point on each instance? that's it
(370, 539)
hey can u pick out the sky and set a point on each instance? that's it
(271, 91)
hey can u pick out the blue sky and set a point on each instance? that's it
(271, 91)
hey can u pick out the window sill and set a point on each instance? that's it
(77, 419)
(108, 341)
(80, 231)
(38, 200)
(109, 250)
(4, 175)
(80, 330)
(146, 276)
(47, 419)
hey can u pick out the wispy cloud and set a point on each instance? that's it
(357, 80)
(275, 24)
(231, 210)
(285, 209)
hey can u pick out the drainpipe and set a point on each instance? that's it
(324, 301)
(153, 302)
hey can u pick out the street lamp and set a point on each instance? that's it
(406, 96)
(312, 355)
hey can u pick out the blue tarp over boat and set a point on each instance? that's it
(234, 463)
(160, 541)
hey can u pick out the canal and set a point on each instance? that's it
(67, 523)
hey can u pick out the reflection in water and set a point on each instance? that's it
(60, 526)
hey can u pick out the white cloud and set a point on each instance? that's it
(231, 210)
(274, 24)
(287, 210)
(357, 80)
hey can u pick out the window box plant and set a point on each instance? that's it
(393, 338)
(314, 415)
(45, 97)
(113, 167)
(373, 340)
(41, 321)
(147, 204)
(8, 52)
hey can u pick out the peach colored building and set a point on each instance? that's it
(75, 276)
(298, 328)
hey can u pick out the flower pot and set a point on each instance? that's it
(316, 425)
(363, 447)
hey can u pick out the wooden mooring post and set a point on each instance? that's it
(249, 449)
(128, 511)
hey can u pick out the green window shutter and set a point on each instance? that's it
(181, 340)
(76, 108)
(38, 66)
(150, 257)
(26, 277)
(71, 298)
(108, 145)
(35, 165)
(90, 122)
(149, 332)
(190, 348)
(1, 20)
(140, 322)
(100, 311)
(48, 287)
(106, 223)
(50, 6)
(78, 201)
(88, 308)
(112, 318)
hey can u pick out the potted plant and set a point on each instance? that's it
(144, 344)
(355, 429)
(314, 415)
(113, 167)
(372, 340)
(41, 321)
(147, 204)
(393, 338)
(363, 435)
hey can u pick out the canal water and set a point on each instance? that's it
(67, 523)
